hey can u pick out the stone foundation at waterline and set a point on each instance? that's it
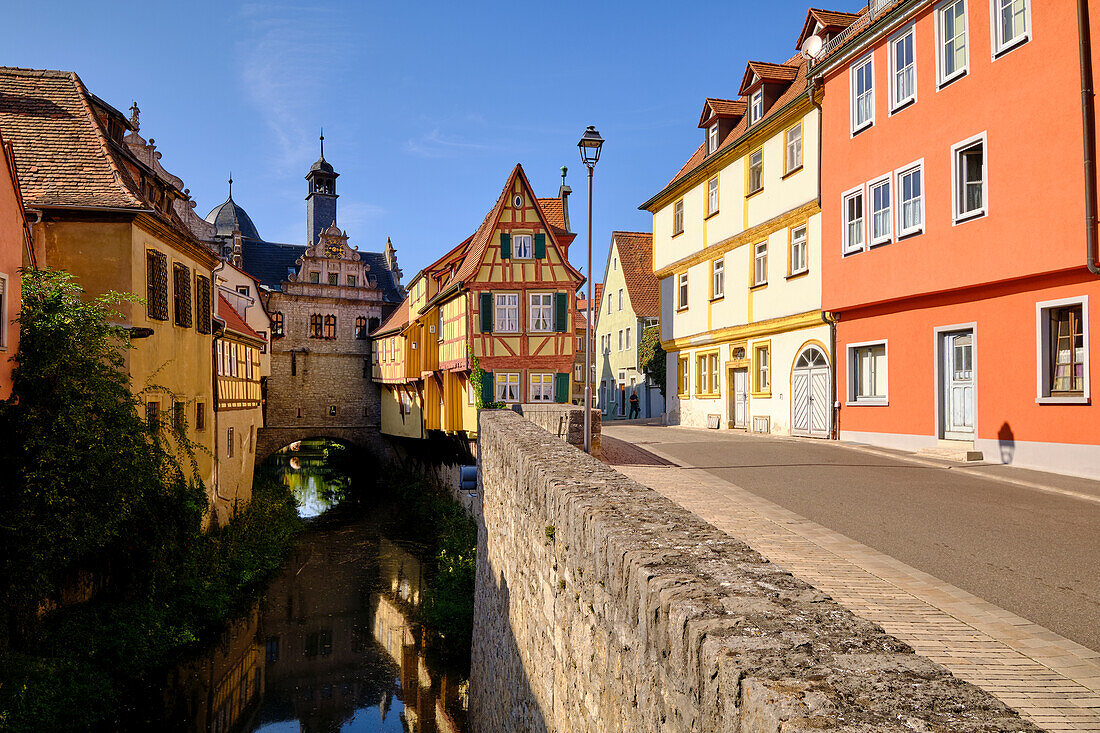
(603, 607)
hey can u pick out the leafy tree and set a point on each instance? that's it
(91, 490)
(651, 357)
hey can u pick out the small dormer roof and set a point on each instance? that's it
(762, 72)
(732, 109)
(825, 22)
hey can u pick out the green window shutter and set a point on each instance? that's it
(505, 246)
(540, 246)
(561, 384)
(486, 312)
(561, 320)
(488, 397)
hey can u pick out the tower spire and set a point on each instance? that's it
(322, 143)
(230, 184)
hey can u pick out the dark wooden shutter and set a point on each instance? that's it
(486, 312)
(203, 304)
(505, 246)
(561, 387)
(561, 319)
(487, 395)
(540, 246)
(157, 286)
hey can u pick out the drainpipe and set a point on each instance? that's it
(834, 413)
(1088, 128)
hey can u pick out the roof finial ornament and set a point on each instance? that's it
(322, 143)
(230, 184)
(564, 170)
(135, 115)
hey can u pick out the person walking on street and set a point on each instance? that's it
(635, 410)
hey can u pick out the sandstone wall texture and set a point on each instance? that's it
(602, 606)
(563, 421)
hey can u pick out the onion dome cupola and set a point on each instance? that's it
(321, 199)
(228, 217)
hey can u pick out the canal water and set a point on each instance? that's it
(333, 644)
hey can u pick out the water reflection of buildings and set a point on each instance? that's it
(434, 701)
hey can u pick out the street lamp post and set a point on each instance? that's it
(590, 145)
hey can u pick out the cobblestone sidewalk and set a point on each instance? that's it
(1049, 679)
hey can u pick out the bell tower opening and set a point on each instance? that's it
(321, 196)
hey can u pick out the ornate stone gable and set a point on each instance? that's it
(332, 268)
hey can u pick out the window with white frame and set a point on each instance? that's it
(952, 47)
(620, 339)
(794, 148)
(760, 263)
(756, 171)
(1063, 350)
(863, 93)
(882, 216)
(867, 373)
(521, 246)
(542, 311)
(1011, 24)
(852, 209)
(609, 302)
(718, 277)
(678, 217)
(756, 106)
(506, 313)
(798, 250)
(903, 69)
(910, 182)
(712, 196)
(542, 388)
(968, 164)
(763, 373)
(712, 138)
(620, 298)
(578, 372)
(507, 386)
(628, 339)
(682, 290)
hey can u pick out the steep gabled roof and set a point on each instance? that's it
(797, 87)
(636, 259)
(555, 214)
(831, 21)
(762, 72)
(234, 321)
(479, 242)
(396, 321)
(61, 149)
(727, 108)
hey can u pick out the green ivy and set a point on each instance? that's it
(651, 357)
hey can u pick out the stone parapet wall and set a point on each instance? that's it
(602, 606)
(564, 421)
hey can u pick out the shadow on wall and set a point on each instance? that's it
(499, 667)
(1007, 442)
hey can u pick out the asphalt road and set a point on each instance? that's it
(1031, 552)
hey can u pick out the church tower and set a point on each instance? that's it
(321, 199)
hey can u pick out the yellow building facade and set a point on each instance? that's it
(736, 246)
(502, 300)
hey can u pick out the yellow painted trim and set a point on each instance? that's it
(699, 356)
(746, 331)
(754, 377)
(755, 234)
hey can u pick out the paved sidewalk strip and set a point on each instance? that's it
(1052, 681)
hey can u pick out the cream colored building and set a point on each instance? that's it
(736, 245)
(630, 304)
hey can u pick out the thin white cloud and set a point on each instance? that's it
(437, 145)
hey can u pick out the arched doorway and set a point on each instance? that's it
(810, 408)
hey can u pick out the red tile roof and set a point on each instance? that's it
(396, 321)
(555, 214)
(636, 259)
(61, 149)
(761, 71)
(721, 108)
(831, 21)
(234, 321)
(797, 87)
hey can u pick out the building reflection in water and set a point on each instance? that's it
(333, 647)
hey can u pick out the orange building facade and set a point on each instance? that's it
(503, 297)
(954, 229)
(15, 250)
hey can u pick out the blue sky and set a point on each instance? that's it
(426, 106)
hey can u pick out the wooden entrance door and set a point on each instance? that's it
(740, 396)
(810, 394)
(958, 384)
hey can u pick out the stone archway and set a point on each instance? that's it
(270, 440)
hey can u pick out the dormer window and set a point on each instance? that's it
(712, 138)
(756, 106)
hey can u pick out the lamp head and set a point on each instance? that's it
(590, 145)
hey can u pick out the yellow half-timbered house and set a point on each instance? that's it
(503, 298)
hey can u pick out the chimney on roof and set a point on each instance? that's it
(563, 194)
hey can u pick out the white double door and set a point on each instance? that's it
(810, 394)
